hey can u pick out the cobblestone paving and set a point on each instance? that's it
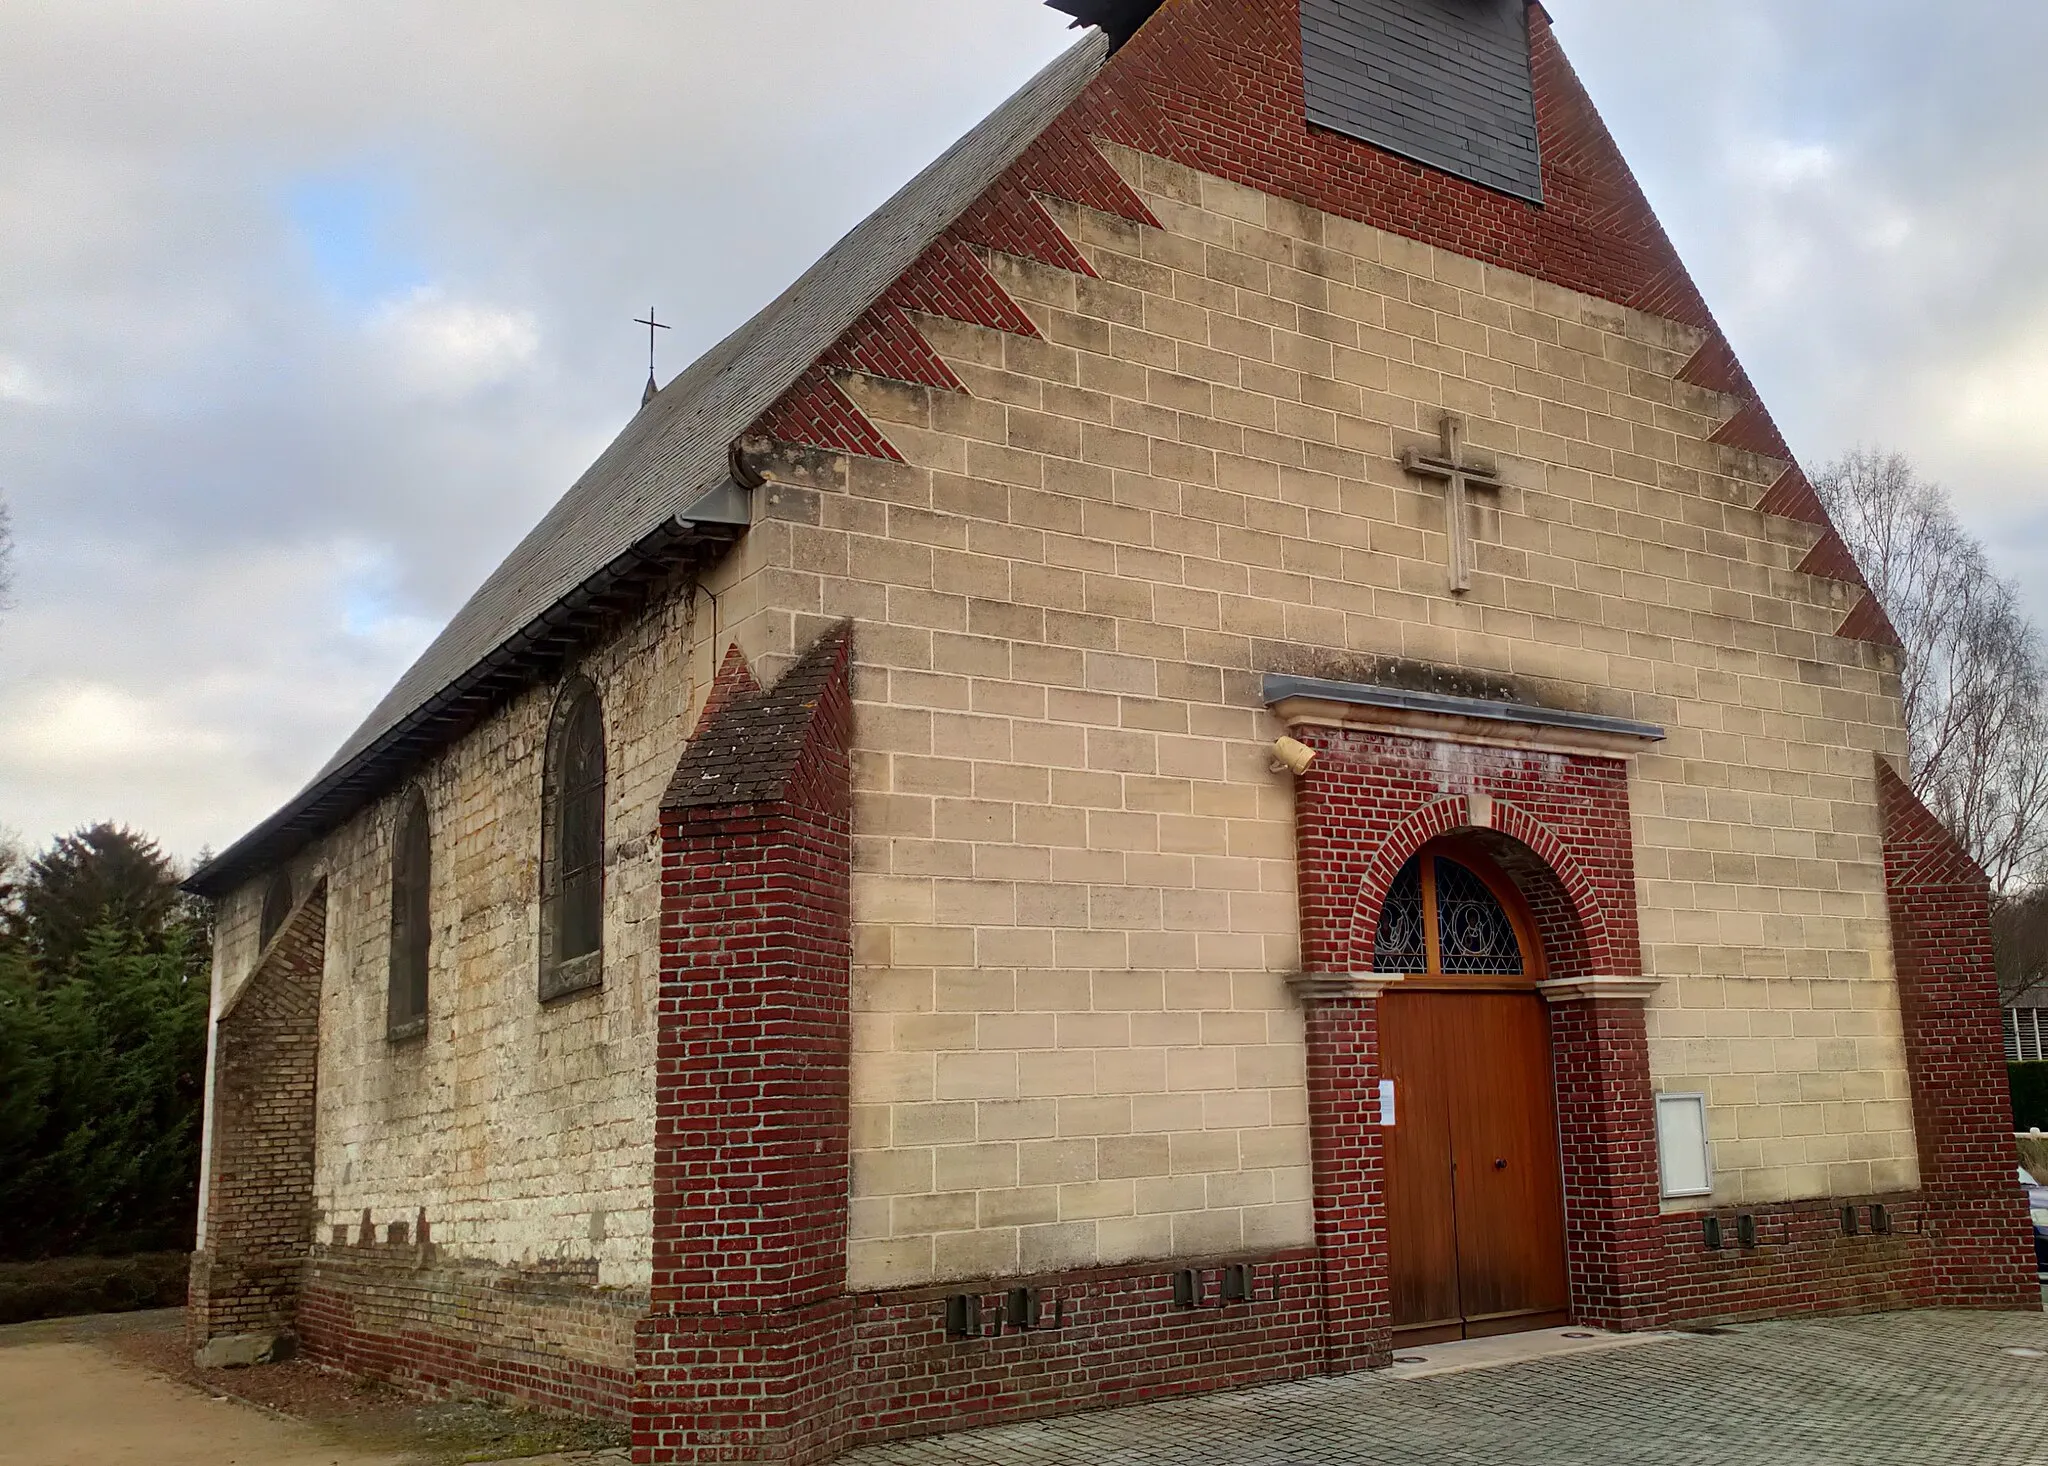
(1873, 1391)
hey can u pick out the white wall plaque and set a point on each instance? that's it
(1683, 1154)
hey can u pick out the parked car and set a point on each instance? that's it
(2037, 1203)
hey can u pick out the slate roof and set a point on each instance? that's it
(660, 491)
(1444, 82)
(749, 746)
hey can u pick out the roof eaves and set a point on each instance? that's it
(672, 454)
(520, 661)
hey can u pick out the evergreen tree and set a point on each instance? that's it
(104, 875)
(102, 1052)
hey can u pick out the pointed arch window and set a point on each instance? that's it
(412, 882)
(1449, 915)
(572, 846)
(277, 909)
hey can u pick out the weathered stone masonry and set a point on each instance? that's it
(259, 1205)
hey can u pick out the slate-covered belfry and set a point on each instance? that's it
(1447, 83)
(1227, 741)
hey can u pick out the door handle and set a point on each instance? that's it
(1500, 1163)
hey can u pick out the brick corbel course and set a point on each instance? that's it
(259, 1201)
(1940, 905)
(744, 1354)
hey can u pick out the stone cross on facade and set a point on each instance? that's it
(1459, 474)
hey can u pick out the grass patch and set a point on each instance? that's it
(65, 1286)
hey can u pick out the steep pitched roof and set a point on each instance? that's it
(660, 490)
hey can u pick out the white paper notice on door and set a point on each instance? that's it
(1387, 1103)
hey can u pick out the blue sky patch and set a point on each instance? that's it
(348, 224)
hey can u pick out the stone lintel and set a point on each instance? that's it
(1600, 989)
(1338, 987)
(1299, 701)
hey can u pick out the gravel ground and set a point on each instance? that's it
(160, 1410)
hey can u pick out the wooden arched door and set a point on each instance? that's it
(1475, 1194)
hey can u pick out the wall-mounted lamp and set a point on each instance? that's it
(1292, 755)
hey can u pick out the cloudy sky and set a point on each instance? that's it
(308, 309)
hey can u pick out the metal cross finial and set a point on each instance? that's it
(1458, 473)
(652, 326)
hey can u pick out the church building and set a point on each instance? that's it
(1228, 741)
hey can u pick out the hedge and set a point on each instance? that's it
(74, 1285)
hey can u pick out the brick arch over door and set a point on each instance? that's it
(1559, 822)
(1565, 901)
(1559, 826)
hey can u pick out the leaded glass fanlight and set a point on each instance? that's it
(1474, 934)
(1442, 919)
(1400, 945)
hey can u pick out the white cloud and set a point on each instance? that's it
(438, 347)
(1780, 163)
(22, 385)
(1998, 404)
(72, 727)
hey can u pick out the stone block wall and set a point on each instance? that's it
(1074, 892)
(258, 1206)
(523, 1131)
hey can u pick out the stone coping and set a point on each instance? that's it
(1600, 989)
(1312, 700)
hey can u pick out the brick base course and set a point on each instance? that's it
(1111, 1337)
(545, 1338)
(1803, 1263)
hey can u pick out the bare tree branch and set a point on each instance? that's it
(1975, 678)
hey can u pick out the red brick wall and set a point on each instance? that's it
(1559, 825)
(1347, 1155)
(1373, 799)
(401, 1314)
(1607, 1140)
(1111, 1337)
(1955, 1051)
(1803, 1262)
(259, 1199)
(743, 1354)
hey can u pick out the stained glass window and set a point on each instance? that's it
(572, 854)
(1474, 933)
(1400, 945)
(1441, 918)
(412, 883)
